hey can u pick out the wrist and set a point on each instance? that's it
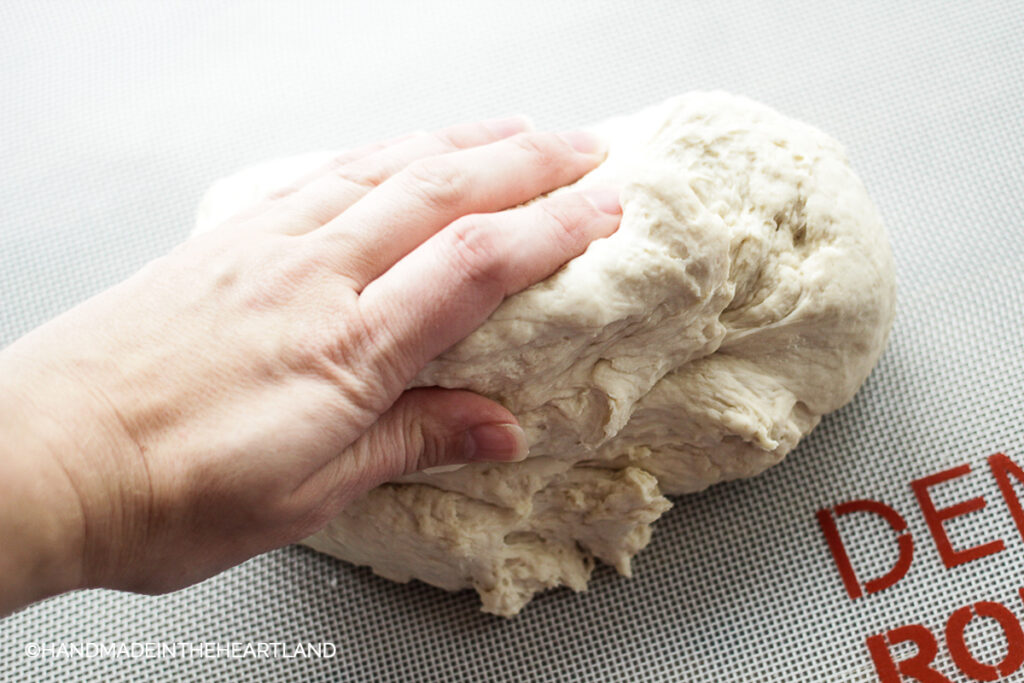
(42, 522)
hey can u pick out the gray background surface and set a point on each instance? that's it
(117, 115)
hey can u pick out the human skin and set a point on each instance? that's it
(232, 396)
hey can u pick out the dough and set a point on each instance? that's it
(748, 291)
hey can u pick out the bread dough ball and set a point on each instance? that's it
(748, 291)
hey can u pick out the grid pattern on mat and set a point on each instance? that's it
(118, 114)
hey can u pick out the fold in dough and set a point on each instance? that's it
(748, 291)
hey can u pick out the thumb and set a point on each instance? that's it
(435, 427)
(424, 428)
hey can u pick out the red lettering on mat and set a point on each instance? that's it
(935, 517)
(842, 559)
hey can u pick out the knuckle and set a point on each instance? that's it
(547, 149)
(448, 140)
(418, 444)
(566, 221)
(424, 443)
(435, 449)
(339, 160)
(367, 174)
(474, 250)
(439, 182)
(282, 192)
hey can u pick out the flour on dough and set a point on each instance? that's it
(748, 291)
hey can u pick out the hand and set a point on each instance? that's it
(234, 395)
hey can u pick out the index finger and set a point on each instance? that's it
(330, 191)
(446, 287)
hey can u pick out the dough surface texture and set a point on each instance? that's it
(748, 291)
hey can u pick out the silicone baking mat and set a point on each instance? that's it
(117, 115)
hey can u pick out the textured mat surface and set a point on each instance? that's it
(117, 115)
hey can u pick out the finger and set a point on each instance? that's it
(254, 191)
(448, 286)
(342, 184)
(424, 428)
(339, 160)
(428, 194)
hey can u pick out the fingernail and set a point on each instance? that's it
(604, 199)
(583, 142)
(443, 469)
(501, 442)
(509, 125)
